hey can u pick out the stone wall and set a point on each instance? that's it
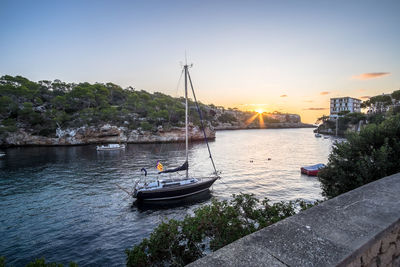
(358, 228)
(384, 251)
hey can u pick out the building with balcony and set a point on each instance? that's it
(341, 104)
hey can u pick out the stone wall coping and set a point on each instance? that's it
(333, 233)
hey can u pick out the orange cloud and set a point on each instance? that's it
(371, 75)
(365, 97)
(315, 108)
(325, 93)
(283, 95)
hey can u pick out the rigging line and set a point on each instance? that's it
(202, 124)
(125, 190)
(226, 184)
(179, 82)
(170, 106)
(176, 95)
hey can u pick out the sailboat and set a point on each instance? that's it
(159, 189)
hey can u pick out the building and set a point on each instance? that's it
(381, 103)
(341, 104)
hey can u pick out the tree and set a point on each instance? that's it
(363, 158)
(396, 95)
(117, 94)
(355, 117)
(226, 117)
(379, 103)
(81, 97)
(146, 126)
(60, 102)
(322, 119)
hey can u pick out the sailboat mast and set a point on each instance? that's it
(186, 121)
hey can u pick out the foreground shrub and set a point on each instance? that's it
(365, 157)
(178, 243)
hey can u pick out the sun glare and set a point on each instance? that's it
(259, 111)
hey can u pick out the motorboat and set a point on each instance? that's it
(313, 169)
(110, 147)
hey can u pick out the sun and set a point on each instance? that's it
(259, 111)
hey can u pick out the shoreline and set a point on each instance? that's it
(281, 125)
(163, 137)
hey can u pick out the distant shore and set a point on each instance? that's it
(277, 125)
(113, 134)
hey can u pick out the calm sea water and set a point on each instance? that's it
(62, 203)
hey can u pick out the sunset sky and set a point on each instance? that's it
(290, 56)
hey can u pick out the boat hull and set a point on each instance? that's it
(310, 173)
(175, 192)
(110, 148)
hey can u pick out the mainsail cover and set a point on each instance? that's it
(185, 166)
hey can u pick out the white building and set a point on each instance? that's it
(344, 104)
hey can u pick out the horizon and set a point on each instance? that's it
(290, 57)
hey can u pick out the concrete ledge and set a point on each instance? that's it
(358, 228)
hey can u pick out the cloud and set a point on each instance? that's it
(365, 97)
(315, 108)
(325, 93)
(308, 101)
(283, 95)
(371, 75)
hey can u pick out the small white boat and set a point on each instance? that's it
(110, 147)
(2, 154)
(318, 135)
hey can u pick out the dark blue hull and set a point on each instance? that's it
(175, 192)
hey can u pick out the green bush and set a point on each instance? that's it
(226, 117)
(211, 227)
(355, 117)
(365, 157)
(146, 126)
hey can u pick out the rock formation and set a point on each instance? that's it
(105, 134)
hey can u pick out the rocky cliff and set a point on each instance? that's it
(275, 125)
(329, 127)
(105, 134)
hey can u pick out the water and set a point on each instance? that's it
(62, 203)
